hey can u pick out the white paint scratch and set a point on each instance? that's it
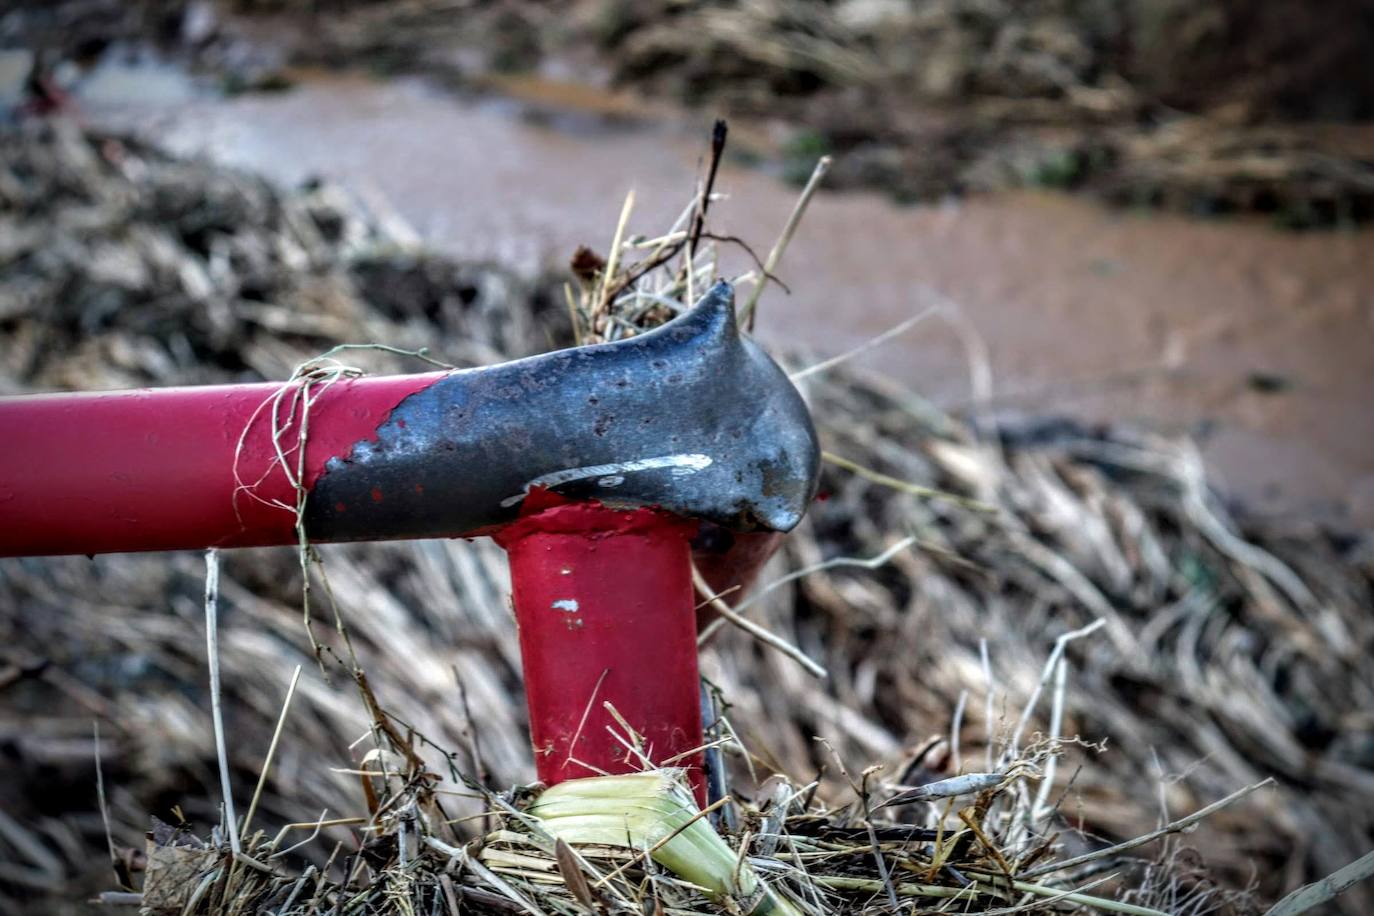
(681, 465)
(566, 604)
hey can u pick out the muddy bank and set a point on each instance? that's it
(1198, 107)
(1207, 108)
(1258, 342)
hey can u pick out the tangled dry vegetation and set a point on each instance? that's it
(1052, 639)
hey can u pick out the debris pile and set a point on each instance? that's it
(1052, 638)
(124, 267)
(1201, 107)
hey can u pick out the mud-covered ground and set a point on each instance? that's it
(1215, 107)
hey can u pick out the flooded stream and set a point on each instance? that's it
(1260, 343)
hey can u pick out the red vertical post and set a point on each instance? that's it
(604, 603)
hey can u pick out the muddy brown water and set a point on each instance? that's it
(1258, 342)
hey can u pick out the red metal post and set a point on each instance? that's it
(604, 603)
(604, 598)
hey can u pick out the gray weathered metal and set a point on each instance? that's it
(692, 417)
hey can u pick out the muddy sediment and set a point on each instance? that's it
(1210, 108)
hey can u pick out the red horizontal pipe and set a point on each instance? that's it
(103, 472)
(604, 598)
(604, 603)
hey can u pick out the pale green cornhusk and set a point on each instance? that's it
(655, 813)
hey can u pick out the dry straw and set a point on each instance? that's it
(1228, 656)
(981, 835)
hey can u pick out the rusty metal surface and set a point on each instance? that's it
(691, 417)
